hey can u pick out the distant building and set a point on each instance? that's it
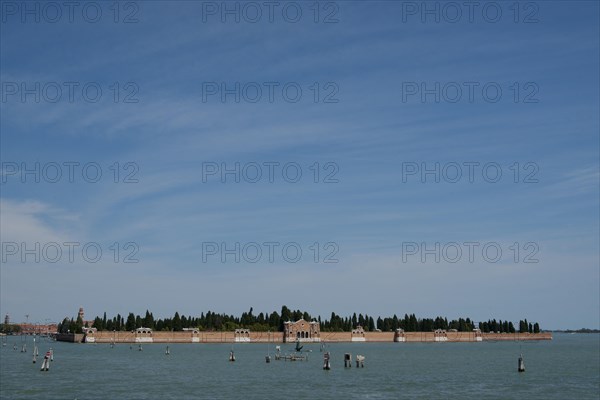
(440, 335)
(6, 320)
(358, 334)
(81, 315)
(38, 329)
(302, 331)
(90, 335)
(143, 335)
(399, 335)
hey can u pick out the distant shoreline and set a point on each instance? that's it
(203, 337)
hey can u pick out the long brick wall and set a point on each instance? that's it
(277, 337)
(517, 336)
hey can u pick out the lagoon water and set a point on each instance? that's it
(567, 367)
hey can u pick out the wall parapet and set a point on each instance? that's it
(195, 336)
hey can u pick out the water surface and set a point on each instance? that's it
(566, 367)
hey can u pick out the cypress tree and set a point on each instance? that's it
(395, 322)
(130, 324)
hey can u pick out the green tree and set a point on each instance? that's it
(148, 321)
(286, 315)
(177, 322)
(395, 322)
(274, 320)
(130, 324)
(413, 323)
(78, 325)
(10, 328)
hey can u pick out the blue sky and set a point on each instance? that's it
(369, 58)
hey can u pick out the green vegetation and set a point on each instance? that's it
(70, 326)
(262, 322)
(9, 329)
(507, 326)
(497, 326)
(410, 323)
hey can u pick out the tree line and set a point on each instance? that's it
(262, 322)
(10, 329)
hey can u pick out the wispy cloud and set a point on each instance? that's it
(368, 134)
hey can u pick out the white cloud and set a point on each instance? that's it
(33, 221)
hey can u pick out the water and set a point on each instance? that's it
(566, 367)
